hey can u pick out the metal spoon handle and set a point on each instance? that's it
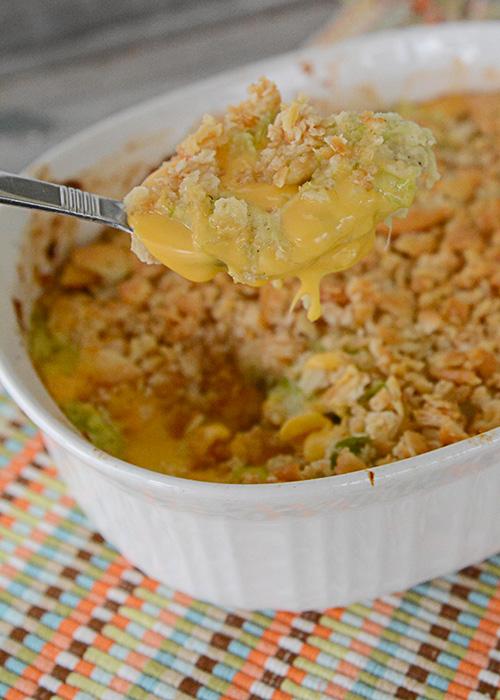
(36, 194)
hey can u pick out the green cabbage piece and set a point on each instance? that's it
(95, 425)
(45, 346)
(354, 443)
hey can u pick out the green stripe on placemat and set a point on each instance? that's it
(78, 622)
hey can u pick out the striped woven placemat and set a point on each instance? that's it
(77, 621)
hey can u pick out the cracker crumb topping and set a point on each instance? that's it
(404, 360)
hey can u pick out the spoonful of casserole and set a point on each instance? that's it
(268, 191)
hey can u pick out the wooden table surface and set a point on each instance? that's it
(61, 71)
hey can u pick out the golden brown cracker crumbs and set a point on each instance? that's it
(404, 360)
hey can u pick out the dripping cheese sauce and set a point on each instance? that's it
(272, 191)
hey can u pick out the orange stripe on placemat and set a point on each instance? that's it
(487, 625)
(86, 606)
(114, 578)
(31, 448)
(252, 670)
(281, 695)
(67, 692)
(42, 664)
(8, 570)
(335, 691)
(14, 694)
(38, 535)
(241, 680)
(271, 636)
(480, 647)
(467, 679)
(120, 621)
(284, 616)
(265, 647)
(310, 652)
(55, 518)
(52, 649)
(347, 668)
(321, 631)
(151, 585)
(183, 599)
(134, 602)
(136, 659)
(360, 647)
(85, 668)
(154, 639)
(168, 617)
(472, 664)
(23, 552)
(119, 685)
(383, 607)
(296, 675)
(257, 657)
(65, 499)
(234, 693)
(7, 520)
(100, 587)
(372, 627)
(117, 567)
(67, 627)
(26, 686)
(455, 690)
(494, 603)
(32, 673)
(103, 643)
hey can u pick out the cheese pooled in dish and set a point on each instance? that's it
(273, 190)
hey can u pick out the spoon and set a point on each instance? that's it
(36, 194)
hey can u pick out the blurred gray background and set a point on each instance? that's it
(65, 64)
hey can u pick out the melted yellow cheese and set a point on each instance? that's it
(171, 242)
(264, 195)
(271, 191)
(319, 233)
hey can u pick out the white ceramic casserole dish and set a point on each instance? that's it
(312, 544)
